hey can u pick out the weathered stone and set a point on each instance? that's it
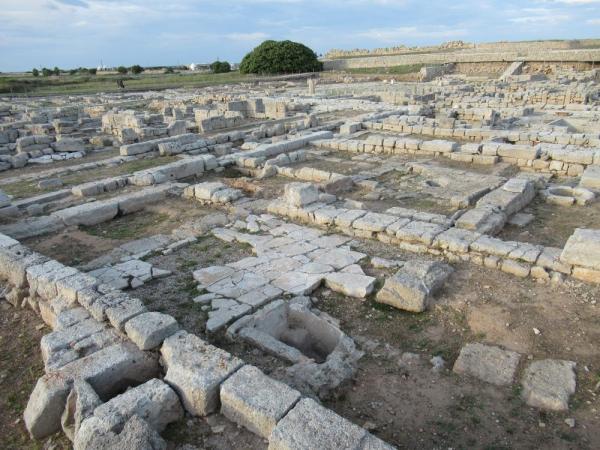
(149, 330)
(195, 370)
(351, 284)
(548, 384)
(309, 425)
(256, 401)
(488, 363)
(413, 286)
(583, 249)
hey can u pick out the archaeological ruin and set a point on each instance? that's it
(320, 262)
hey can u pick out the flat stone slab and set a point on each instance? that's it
(311, 426)
(413, 286)
(196, 369)
(548, 384)
(350, 284)
(490, 364)
(252, 399)
(583, 249)
(149, 330)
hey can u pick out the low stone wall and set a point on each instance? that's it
(463, 57)
(411, 234)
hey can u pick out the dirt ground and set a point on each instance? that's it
(20, 367)
(401, 399)
(553, 224)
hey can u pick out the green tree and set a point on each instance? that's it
(220, 67)
(56, 71)
(279, 57)
(46, 72)
(35, 73)
(137, 69)
(122, 70)
(93, 71)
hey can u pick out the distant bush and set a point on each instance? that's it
(122, 69)
(56, 71)
(35, 73)
(220, 67)
(137, 69)
(169, 70)
(47, 72)
(73, 72)
(93, 71)
(279, 57)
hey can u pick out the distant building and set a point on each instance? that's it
(199, 67)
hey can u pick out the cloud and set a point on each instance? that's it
(247, 37)
(395, 35)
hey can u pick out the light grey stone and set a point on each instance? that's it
(149, 330)
(256, 401)
(488, 363)
(413, 286)
(195, 370)
(311, 426)
(548, 384)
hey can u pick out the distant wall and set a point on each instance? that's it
(465, 56)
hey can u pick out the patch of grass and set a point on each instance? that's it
(126, 227)
(79, 84)
(393, 70)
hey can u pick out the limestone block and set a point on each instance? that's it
(583, 249)
(301, 194)
(108, 371)
(149, 330)
(413, 286)
(350, 284)
(195, 370)
(548, 384)
(311, 426)
(256, 401)
(81, 402)
(488, 363)
(154, 401)
(137, 434)
(88, 214)
(591, 177)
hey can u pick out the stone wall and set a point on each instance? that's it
(470, 56)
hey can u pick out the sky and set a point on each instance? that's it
(74, 33)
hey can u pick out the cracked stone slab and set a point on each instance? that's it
(252, 399)
(548, 384)
(488, 363)
(196, 369)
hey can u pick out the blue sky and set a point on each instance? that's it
(73, 33)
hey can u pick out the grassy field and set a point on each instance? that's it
(28, 85)
(394, 70)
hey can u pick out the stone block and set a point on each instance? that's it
(548, 384)
(490, 364)
(196, 370)
(252, 399)
(149, 330)
(583, 249)
(413, 286)
(311, 426)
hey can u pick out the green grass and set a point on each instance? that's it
(394, 70)
(28, 188)
(126, 227)
(87, 84)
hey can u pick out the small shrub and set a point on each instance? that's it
(92, 71)
(122, 69)
(46, 72)
(220, 67)
(279, 57)
(56, 71)
(35, 73)
(169, 70)
(137, 69)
